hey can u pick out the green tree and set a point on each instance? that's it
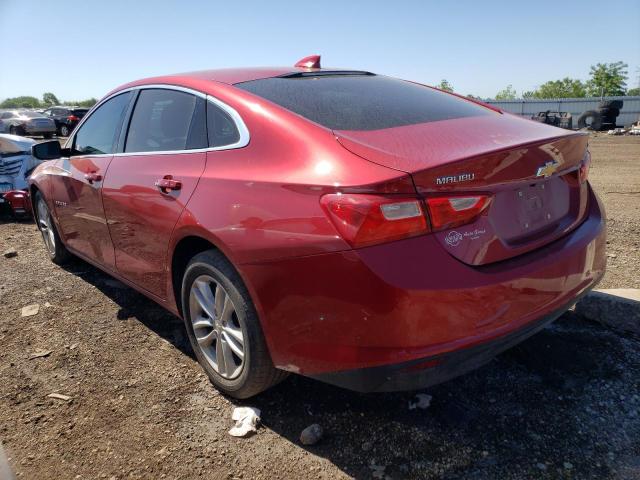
(90, 102)
(508, 93)
(50, 99)
(633, 91)
(565, 88)
(473, 97)
(607, 79)
(20, 102)
(445, 85)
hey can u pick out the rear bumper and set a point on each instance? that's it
(428, 371)
(389, 306)
(17, 200)
(34, 130)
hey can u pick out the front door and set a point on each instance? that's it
(77, 195)
(148, 184)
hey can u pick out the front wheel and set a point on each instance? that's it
(224, 329)
(58, 253)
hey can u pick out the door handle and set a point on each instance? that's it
(92, 177)
(167, 184)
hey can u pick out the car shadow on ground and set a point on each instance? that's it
(563, 404)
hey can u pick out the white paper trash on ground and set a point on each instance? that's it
(423, 401)
(247, 420)
(5, 470)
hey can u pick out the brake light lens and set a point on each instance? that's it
(583, 172)
(364, 220)
(73, 118)
(448, 212)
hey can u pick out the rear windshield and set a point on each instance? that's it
(362, 102)
(79, 112)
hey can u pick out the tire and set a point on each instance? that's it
(608, 119)
(64, 131)
(14, 130)
(611, 104)
(596, 120)
(58, 253)
(611, 112)
(211, 284)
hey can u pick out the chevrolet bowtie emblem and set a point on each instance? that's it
(547, 169)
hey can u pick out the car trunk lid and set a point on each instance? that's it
(530, 170)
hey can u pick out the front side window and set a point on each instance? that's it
(98, 134)
(166, 120)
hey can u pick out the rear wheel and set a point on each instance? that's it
(56, 250)
(14, 130)
(64, 130)
(224, 329)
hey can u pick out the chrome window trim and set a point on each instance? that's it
(243, 131)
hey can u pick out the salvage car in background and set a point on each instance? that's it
(16, 163)
(362, 230)
(65, 118)
(26, 122)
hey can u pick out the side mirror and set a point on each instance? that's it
(47, 150)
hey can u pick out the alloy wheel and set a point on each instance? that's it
(46, 227)
(217, 327)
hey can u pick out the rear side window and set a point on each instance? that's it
(361, 102)
(166, 120)
(222, 129)
(98, 134)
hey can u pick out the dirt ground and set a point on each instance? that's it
(564, 404)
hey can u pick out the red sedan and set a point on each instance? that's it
(366, 231)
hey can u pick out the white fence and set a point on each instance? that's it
(629, 113)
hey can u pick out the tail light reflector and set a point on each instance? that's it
(72, 118)
(364, 220)
(448, 212)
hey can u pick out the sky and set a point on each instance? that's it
(80, 49)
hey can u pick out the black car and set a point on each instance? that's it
(66, 118)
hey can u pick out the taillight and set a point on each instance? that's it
(72, 118)
(364, 220)
(449, 212)
(583, 172)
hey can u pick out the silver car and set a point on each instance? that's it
(26, 122)
(16, 162)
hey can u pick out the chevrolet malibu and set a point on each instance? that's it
(369, 232)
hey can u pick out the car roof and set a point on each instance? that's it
(237, 75)
(232, 76)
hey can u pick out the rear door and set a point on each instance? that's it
(152, 178)
(77, 188)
